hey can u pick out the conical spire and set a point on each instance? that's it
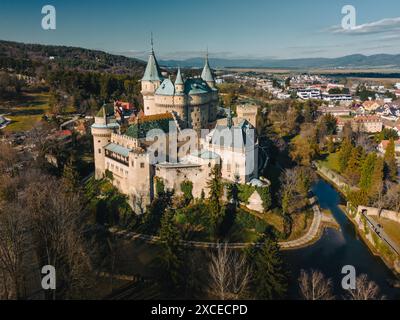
(179, 79)
(207, 75)
(152, 72)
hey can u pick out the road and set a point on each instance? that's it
(311, 234)
(382, 234)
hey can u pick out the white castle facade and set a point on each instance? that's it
(176, 138)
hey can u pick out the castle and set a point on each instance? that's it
(177, 137)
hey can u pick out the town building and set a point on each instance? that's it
(368, 124)
(383, 146)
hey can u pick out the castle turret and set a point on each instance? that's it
(104, 125)
(207, 75)
(179, 84)
(150, 82)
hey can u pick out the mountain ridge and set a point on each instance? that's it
(345, 62)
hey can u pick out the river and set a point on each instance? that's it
(338, 248)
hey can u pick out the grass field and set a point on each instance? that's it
(391, 228)
(331, 162)
(28, 113)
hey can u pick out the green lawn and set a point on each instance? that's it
(28, 113)
(331, 161)
(391, 228)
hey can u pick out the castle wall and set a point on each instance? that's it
(140, 181)
(174, 176)
(239, 163)
(124, 141)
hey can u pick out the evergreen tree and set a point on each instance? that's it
(377, 178)
(344, 154)
(171, 257)
(390, 161)
(367, 170)
(233, 192)
(155, 211)
(216, 188)
(352, 171)
(269, 274)
(187, 189)
(71, 178)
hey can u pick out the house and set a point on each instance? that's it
(306, 94)
(388, 111)
(384, 143)
(337, 111)
(369, 124)
(372, 105)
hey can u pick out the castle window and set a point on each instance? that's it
(133, 163)
(100, 151)
(142, 165)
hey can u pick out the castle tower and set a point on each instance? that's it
(102, 129)
(150, 82)
(140, 180)
(207, 75)
(179, 84)
(248, 112)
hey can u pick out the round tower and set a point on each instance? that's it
(101, 131)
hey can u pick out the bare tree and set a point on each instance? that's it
(365, 290)
(8, 157)
(229, 274)
(57, 227)
(13, 246)
(314, 286)
(392, 196)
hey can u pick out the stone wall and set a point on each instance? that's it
(391, 215)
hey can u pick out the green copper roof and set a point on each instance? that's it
(179, 79)
(106, 110)
(166, 88)
(205, 154)
(152, 72)
(112, 125)
(207, 75)
(196, 86)
(191, 86)
(117, 149)
(141, 130)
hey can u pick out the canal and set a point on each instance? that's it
(338, 248)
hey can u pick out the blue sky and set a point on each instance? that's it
(229, 28)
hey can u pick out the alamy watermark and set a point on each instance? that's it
(49, 20)
(349, 21)
(49, 278)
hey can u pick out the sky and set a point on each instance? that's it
(278, 29)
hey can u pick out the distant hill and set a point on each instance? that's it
(21, 57)
(347, 62)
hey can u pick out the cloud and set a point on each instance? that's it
(387, 25)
